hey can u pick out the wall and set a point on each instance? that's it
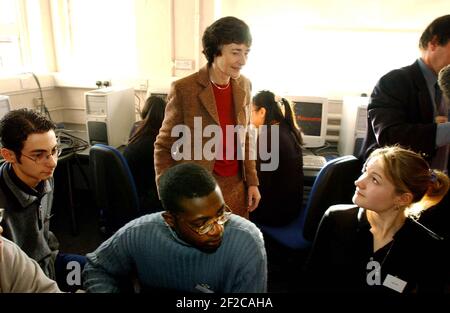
(321, 48)
(23, 92)
(331, 48)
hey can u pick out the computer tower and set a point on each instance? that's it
(353, 125)
(109, 115)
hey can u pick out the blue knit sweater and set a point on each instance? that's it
(149, 249)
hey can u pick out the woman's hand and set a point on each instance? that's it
(253, 198)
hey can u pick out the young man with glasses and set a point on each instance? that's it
(30, 150)
(196, 245)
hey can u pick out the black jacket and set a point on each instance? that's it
(139, 156)
(400, 112)
(282, 189)
(344, 245)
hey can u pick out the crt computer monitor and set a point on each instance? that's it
(311, 116)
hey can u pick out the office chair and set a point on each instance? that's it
(334, 184)
(114, 188)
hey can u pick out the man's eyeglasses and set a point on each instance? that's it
(42, 157)
(208, 225)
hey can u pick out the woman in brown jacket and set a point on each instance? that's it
(210, 99)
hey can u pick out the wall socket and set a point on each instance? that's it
(184, 64)
(103, 83)
(143, 84)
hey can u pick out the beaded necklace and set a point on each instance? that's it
(218, 87)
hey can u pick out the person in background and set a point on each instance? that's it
(444, 81)
(281, 189)
(139, 155)
(378, 245)
(406, 107)
(216, 95)
(144, 112)
(19, 273)
(195, 245)
(30, 149)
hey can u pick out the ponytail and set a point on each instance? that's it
(289, 119)
(438, 187)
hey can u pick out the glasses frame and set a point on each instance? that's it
(54, 155)
(209, 224)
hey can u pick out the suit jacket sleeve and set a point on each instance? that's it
(396, 116)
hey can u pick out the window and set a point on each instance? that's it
(26, 41)
(99, 37)
(10, 52)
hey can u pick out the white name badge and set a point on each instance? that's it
(394, 283)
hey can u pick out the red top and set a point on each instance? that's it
(225, 108)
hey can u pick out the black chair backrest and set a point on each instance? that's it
(113, 185)
(333, 185)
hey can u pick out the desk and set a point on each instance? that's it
(77, 131)
(76, 134)
(309, 175)
(329, 152)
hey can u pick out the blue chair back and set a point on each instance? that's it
(113, 186)
(334, 184)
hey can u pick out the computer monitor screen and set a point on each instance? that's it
(311, 116)
(5, 106)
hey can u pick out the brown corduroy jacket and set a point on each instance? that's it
(193, 96)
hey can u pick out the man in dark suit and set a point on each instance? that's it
(407, 108)
(402, 107)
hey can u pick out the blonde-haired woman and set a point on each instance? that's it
(378, 245)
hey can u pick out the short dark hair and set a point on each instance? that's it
(185, 180)
(440, 28)
(222, 32)
(17, 125)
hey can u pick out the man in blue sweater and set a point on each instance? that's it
(196, 245)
